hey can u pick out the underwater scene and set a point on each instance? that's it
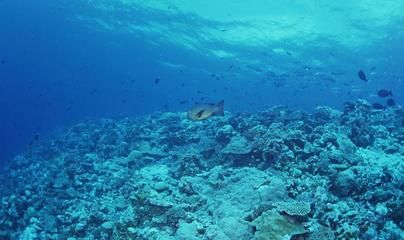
(202, 120)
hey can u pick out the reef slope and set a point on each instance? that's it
(277, 174)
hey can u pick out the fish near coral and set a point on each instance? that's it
(391, 102)
(378, 106)
(201, 112)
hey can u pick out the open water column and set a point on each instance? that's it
(201, 120)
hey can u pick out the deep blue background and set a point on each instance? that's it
(56, 72)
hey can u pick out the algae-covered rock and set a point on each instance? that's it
(320, 232)
(187, 231)
(32, 231)
(345, 183)
(273, 226)
(161, 186)
(108, 225)
(325, 114)
(237, 145)
(224, 134)
(235, 228)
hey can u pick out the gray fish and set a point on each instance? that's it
(201, 112)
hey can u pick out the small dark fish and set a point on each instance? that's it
(384, 93)
(391, 102)
(213, 75)
(362, 75)
(3, 61)
(156, 81)
(36, 136)
(199, 92)
(183, 102)
(377, 106)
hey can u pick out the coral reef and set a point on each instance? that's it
(277, 174)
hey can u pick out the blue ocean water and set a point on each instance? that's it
(65, 63)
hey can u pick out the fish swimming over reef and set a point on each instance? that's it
(201, 112)
(362, 75)
(378, 106)
(384, 93)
